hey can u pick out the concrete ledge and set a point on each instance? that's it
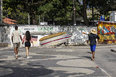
(3, 44)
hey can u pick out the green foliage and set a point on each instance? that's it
(56, 10)
(52, 9)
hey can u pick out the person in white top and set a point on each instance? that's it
(16, 41)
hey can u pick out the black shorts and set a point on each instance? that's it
(27, 44)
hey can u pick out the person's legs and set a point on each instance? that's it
(16, 53)
(16, 50)
(17, 46)
(93, 47)
(27, 51)
(93, 53)
(27, 46)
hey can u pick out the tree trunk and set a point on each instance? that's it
(92, 13)
(33, 20)
(86, 22)
(53, 21)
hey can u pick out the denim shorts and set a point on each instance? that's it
(92, 47)
(27, 44)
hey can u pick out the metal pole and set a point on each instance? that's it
(28, 19)
(39, 19)
(43, 17)
(1, 10)
(74, 19)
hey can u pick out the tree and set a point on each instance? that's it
(28, 6)
(53, 9)
(56, 9)
(102, 6)
(81, 10)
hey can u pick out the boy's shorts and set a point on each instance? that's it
(92, 47)
(16, 44)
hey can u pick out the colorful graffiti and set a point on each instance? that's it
(78, 38)
(40, 31)
(45, 28)
(35, 40)
(106, 32)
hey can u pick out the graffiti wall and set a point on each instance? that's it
(78, 38)
(4, 35)
(107, 32)
(37, 32)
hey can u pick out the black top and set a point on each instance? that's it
(92, 38)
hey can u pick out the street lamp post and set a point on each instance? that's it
(74, 19)
(28, 19)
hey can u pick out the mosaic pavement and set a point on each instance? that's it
(48, 62)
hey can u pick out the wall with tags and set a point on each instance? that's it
(107, 32)
(37, 32)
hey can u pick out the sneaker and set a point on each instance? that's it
(92, 59)
(28, 57)
(16, 56)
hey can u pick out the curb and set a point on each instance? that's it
(105, 72)
(5, 48)
(87, 46)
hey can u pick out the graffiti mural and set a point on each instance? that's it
(45, 29)
(37, 32)
(4, 37)
(78, 38)
(107, 32)
(35, 40)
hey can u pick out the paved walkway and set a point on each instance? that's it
(49, 62)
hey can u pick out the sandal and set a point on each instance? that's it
(92, 59)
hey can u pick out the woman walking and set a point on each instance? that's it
(27, 39)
